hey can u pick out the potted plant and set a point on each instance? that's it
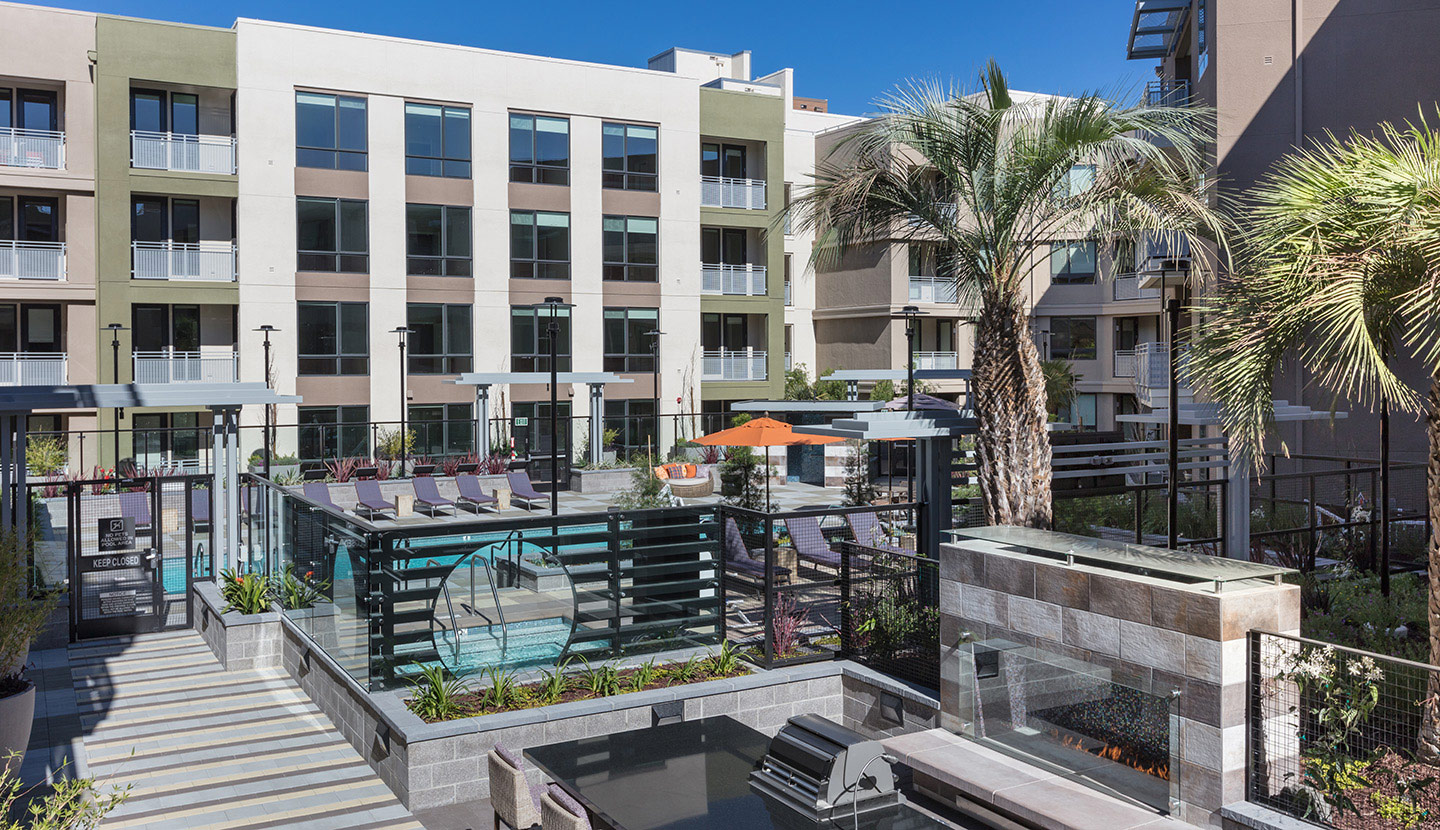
(22, 618)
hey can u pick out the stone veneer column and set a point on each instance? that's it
(1147, 632)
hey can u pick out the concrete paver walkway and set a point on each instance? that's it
(203, 748)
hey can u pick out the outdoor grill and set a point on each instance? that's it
(816, 766)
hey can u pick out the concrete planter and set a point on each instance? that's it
(601, 481)
(276, 470)
(17, 716)
(533, 577)
(239, 641)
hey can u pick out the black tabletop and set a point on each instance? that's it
(687, 776)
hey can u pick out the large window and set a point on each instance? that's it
(530, 340)
(627, 344)
(331, 432)
(329, 131)
(1076, 180)
(437, 240)
(149, 112)
(634, 424)
(1127, 332)
(1072, 338)
(631, 248)
(1072, 263)
(333, 235)
(334, 338)
(441, 343)
(156, 219)
(723, 246)
(163, 440)
(630, 156)
(1082, 412)
(539, 245)
(29, 109)
(539, 149)
(723, 161)
(437, 140)
(154, 328)
(442, 429)
(29, 218)
(30, 328)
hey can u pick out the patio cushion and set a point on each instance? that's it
(571, 805)
(662, 473)
(510, 757)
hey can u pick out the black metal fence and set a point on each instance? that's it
(1337, 735)
(890, 612)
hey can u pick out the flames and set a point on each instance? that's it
(1118, 754)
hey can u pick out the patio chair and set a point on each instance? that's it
(742, 562)
(523, 491)
(472, 494)
(867, 531)
(516, 803)
(368, 500)
(558, 811)
(319, 492)
(200, 509)
(427, 496)
(810, 544)
(136, 506)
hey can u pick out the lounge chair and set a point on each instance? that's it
(867, 532)
(740, 561)
(428, 498)
(523, 491)
(136, 506)
(368, 500)
(200, 509)
(809, 542)
(319, 492)
(473, 495)
(558, 811)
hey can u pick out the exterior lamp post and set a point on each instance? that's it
(402, 333)
(1172, 307)
(911, 315)
(654, 335)
(115, 329)
(552, 329)
(268, 442)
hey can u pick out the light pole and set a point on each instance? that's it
(402, 333)
(268, 442)
(654, 335)
(115, 329)
(552, 330)
(911, 315)
(1172, 508)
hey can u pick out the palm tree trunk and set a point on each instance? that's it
(1430, 726)
(1008, 390)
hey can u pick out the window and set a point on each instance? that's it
(29, 109)
(440, 344)
(1072, 263)
(1127, 332)
(1076, 180)
(437, 240)
(530, 343)
(789, 289)
(156, 219)
(723, 246)
(29, 327)
(149, 113)
(1124, 257)
(724, 332)
(437, 141)
(162, 440)
(155, 328)
(334, 338)
(330, 432)
(532, 430)
(1081, 412)
(539, 149)
(1072, 338)
(539, 245)
(29, 219)
(442, 429)
(333, 235)
(630, 156)
(627, 340)
(630, 248)
(723, 161)
(634, 424)
(330, 131)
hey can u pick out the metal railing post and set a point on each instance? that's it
(767, 526)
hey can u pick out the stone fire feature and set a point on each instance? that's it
(1161, 632)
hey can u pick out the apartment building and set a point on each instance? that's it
(1281, 74)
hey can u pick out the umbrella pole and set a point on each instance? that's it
(767, 479)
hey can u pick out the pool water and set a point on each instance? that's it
(529, 643)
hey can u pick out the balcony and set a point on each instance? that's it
(42, 149)
(933, 290)
(182, 153)
(1124, 363)
(204, 261)
(747, 194)
(186, 367)
(1152, 375)
(1162, 258)
(1167, 94)
(937, 360)
(32, 368)
(732, 280)
(723, 365)
(1128, 288)
(32, 260)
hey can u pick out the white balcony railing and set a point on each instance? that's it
(933, 290)
(1167, 94)
(1128, 288)
(44, 149)
(1152, 375)
(732, 193)
(937, 360)
(32, 368)
(207, 261)
(1124, 363)
(185, 153)
(32, 260)
(186, 367)
(723, 365)
(738, 280)
(789, 361)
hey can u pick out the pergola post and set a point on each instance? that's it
(218, 523)
(1237, 509)
(225, 484)
(7, 471)
(932, 479)
(22, 472)
(597, 422)
(482, 420)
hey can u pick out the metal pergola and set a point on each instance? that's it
(482, 381)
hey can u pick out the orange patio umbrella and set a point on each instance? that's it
(763, 432)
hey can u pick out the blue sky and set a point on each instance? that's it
(849, 52)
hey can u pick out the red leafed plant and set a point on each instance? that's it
(785, 626)
(450, 465)
(343, 469)
(710, 455)
(494, 465)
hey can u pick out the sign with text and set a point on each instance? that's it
(116, 533)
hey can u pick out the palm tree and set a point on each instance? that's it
(991, 178)
(1339, 265)
(1060, 384)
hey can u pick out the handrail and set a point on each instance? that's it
(450, 608)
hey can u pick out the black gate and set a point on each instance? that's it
(135, 548)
